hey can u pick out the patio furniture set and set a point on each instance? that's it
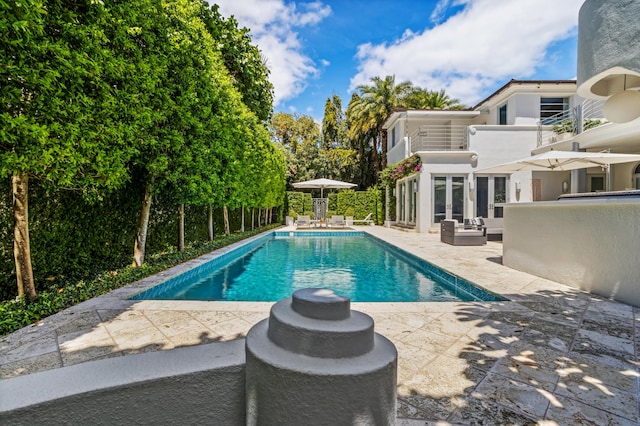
(474, 232)
(336, 221)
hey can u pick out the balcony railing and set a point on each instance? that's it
(439, 138)
(573, 121)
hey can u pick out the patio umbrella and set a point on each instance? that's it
(322, 184)
(562, 161)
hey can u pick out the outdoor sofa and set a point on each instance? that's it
(493, 225)
(452, 233)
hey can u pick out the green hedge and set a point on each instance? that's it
(67, 291)
(297, 203)
(70, 236)
(345, 202)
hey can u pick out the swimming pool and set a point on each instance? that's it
(352, 264)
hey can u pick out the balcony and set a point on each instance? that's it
(568, 124)
(439, 138)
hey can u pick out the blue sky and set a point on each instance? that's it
(470, 48)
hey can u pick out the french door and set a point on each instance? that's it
(408, 201)
(491, 194)
(448, 198)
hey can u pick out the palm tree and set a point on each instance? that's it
(431, 99)
(367, 112)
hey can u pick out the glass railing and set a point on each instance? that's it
(569, 123)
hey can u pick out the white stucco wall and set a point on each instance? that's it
(398, 152)
(551, 183)
(502, 144)
(588, 244)
(608, 45)
(527, 109)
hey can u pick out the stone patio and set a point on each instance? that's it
(550, 355)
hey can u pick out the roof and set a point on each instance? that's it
(511, 86)
(514, 82)
(397, 113)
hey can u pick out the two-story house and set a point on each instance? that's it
(520, 119)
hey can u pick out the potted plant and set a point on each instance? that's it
(564, 129)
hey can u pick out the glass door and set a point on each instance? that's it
(402, 188)
(439, 198)
(456, 202)
(448, 198)
(413, 200)
(491, 195)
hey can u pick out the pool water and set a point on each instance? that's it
(352, 264)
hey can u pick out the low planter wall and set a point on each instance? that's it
(591, 244)
(193, 385)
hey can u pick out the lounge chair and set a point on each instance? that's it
(337, 221)
(453, 234)
(367, 220)
(303, 222)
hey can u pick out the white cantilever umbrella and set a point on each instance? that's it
(322, 184)
(562, 161)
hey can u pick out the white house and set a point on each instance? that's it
(513, 123)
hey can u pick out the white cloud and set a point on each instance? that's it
(486, 42)
(439, 11)
(273, 24)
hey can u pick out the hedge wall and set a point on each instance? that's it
(70, 236)
(345, 202)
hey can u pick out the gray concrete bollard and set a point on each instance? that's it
(317, 362)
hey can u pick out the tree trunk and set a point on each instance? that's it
(21, 244)
(383, 155)
(242, 224)
(253, 223)
(363, 165)
(181, 227)
(374, 157)
(210, 223)
(141, 237)
(225, 213)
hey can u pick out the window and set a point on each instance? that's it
(502, 115)
(596, 183)
(636, 177)
(552, 109)
(393, 137)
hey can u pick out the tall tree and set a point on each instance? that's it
(243, 59)
(332, 122)
(187, 131)
(367, 112)
(60, 119)
(299, 137)
(284, 129)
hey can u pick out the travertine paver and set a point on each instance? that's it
(551, 355)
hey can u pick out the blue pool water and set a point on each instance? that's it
(352, 264)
